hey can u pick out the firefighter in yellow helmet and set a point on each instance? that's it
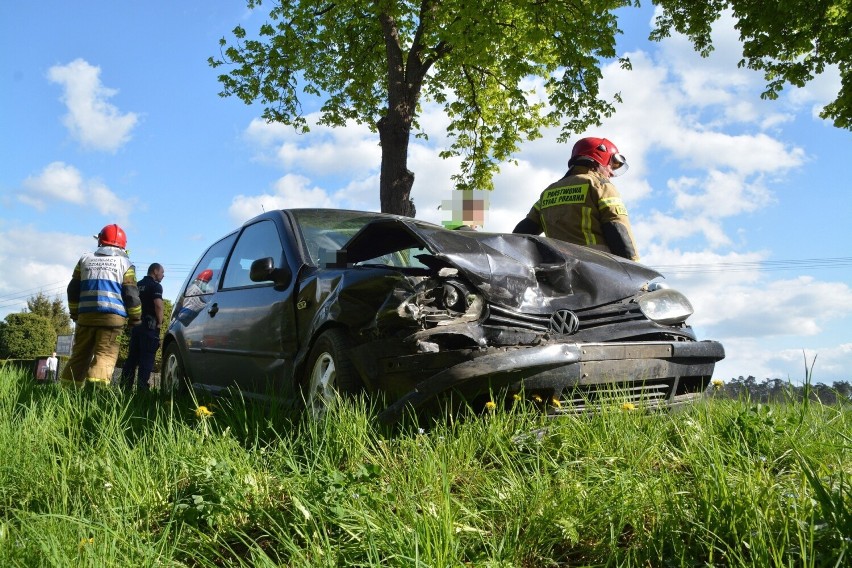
(102, 298)
(584, 207)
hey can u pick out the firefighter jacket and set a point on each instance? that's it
(103, 290)
(585, 208)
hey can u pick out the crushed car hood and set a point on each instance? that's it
(527, 273)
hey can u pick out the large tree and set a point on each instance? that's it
(26, 336)
(790, 41)
(375, 61)
(54, 310)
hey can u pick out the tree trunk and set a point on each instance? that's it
(396, 179)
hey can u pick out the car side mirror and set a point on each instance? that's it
(263, 270)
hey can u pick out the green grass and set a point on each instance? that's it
(99, 478)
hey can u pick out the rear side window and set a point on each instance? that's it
(209, 269)
(256, 241)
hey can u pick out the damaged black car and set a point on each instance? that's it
(306, 304)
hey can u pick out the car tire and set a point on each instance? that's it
(172, 373)
(329, 372)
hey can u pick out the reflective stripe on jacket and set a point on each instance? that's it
(577, 208)
(104, 283)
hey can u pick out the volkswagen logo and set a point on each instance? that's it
(564, 322)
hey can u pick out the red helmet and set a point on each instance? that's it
(205, 275)
(601, 151)
(112, 236)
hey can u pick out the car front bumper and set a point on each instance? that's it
(573, 376)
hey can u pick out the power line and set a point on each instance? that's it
(20, 297)
(755, 266)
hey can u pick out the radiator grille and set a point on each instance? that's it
(602, 315)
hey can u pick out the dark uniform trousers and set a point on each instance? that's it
(144, 343)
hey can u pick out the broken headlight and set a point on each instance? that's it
(454, 297)
(665, 306)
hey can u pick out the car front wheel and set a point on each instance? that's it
(173, 376)
(330, 372)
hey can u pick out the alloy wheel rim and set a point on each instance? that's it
(322, 383)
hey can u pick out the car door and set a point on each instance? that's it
(250, 336)
(191, 309)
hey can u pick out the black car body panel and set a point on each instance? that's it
(518, 271)
(432, 311)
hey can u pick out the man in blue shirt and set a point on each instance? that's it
(145, 337)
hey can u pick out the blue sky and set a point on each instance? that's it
(110, 114)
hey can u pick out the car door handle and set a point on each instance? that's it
(213, 310)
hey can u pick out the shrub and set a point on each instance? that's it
(26, 336)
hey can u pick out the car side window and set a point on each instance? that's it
(259, 240)
(209, 269)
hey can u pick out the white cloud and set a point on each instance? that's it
(92, 120)
(108, 203)
(361, 194)
(290, 192)
(45, 258)
(800, 306)
(59, 181)
(818, 92)
(661, 230)
(718, 194)
(352, 150)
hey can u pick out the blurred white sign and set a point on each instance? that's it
(63, 344)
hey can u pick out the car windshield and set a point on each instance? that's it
(325, 231)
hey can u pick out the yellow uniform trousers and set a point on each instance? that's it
(93, 357)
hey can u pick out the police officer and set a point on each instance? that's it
(584, 207)
(145, 337)
(102, 298)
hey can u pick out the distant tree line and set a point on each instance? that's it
(32, 333)
(778, 390)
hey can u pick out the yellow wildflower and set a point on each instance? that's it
(86, 542)
(490, 406)
(556, 402)
(516, 397)
(718, 383)
(628, 406)
(203, 412)
(537, 398)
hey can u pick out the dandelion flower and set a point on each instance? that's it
(86, 542)
(490, 406)
(516, 397)
(537, 398)
(718, 383)
(203, 412)
(628, 406)
(556, 402)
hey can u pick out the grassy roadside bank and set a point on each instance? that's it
(98, 478)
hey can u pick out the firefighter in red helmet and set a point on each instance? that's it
(113, 236)
(584, 207)
(102, 297)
